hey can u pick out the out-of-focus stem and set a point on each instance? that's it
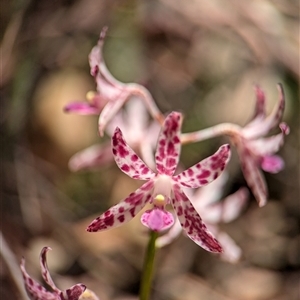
(148, 267)
(228, 129)
(154, 111)
(12, 266)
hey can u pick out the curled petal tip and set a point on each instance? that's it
(226, 152)
(103, 33)
(45, 249)
(281, 91)
(259, 93)
(262, 203)
(280, 87)
(285, 128)
(92, 228)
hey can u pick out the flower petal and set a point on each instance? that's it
(168, 145)
(203, 197)
(74, 292)
(263, 127)
(228, 209)
(269, 145)
(170, 236)
(100, 71)
(91, 157)
(253, 175)
(111, 109)
(82, 108)
(205, 171)
(272, 164)
(124, 211)
(231, 251)
(33, 288)
(114, 91)
(260, 110)
(127, 160)
(44, 269)
(191, 222)
(157, 219)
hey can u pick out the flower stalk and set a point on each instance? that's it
(148, 267)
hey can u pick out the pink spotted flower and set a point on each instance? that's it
(36, 291)
(254, 149)
(111, 94)
(163, 187)
(140, 133)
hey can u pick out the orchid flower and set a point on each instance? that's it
(111, 94)
(206, 202)
(255, 151)
(139, 133)
(162, 187)
(37, 292)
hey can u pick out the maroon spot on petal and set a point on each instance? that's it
(114, 151)
(179, 211)
(30, 281)
(125, 168)
(170, 162)
(204, 174)
(216, 175)
(186, 224)
(203, 182)
(109, 221)
(190, 172)
(170, 148)
(134, 157)
(162, 142)
(160, 168)
(121, 218)
(214, 157)
(107, 213)
(132, 211)
(114, 141)
(145, 171)
(198, 166)
(122, 151)
(121, 209)
(176, 140)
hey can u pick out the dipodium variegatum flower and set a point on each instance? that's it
(111, 93)
(36, 291)
(163, 187)
(140, 134)
(254, 149)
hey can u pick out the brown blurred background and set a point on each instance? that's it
(199, 57)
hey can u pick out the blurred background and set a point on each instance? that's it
(201, 58)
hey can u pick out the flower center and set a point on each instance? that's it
(162, 190)
(90, 96)
(159, 200)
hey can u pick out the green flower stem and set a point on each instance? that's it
(148, 267)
